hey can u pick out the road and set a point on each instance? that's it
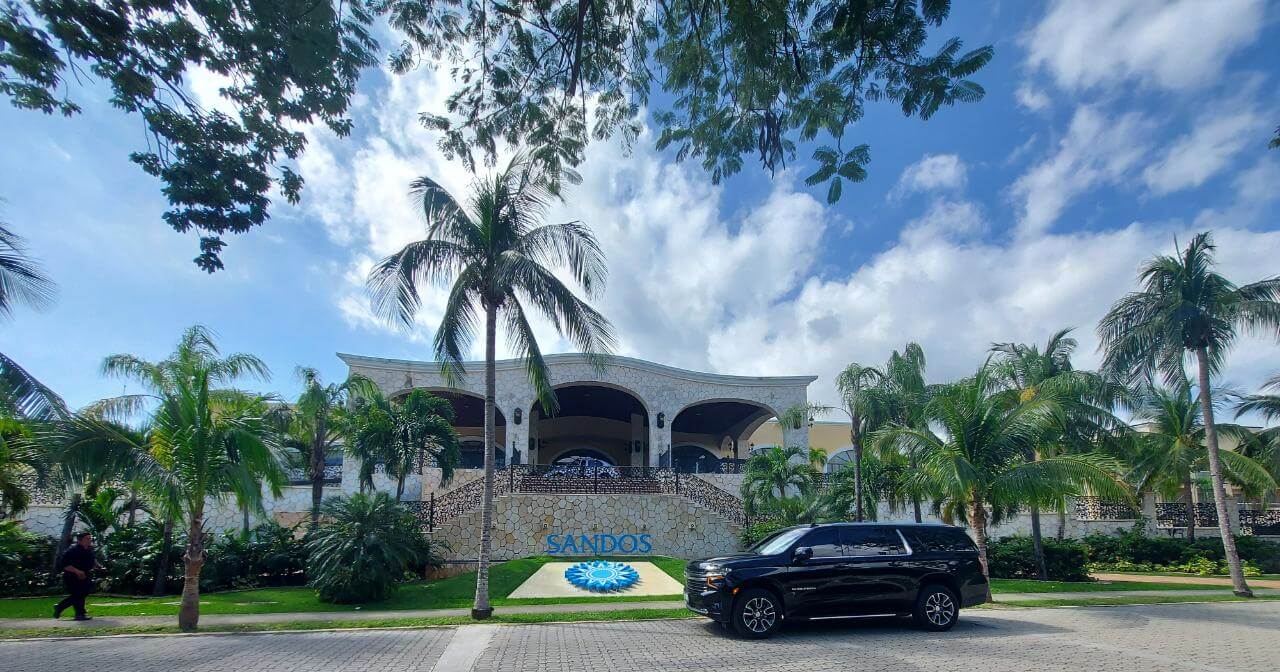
(1225, 636)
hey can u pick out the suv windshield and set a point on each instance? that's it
(778, 542)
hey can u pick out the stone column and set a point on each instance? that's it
(517, 440)
(659, 438)
(638, 434)
(796, 437)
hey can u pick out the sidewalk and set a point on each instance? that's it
(287, 617)
(1198, 580)
(311, 616)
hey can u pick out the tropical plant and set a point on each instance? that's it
(401, 436)
(24, 568)
(974, 445)
(1084, 421)
(775, 474)
(1171, 447)
(362, 547)
(209, 442)
(855, 385)
(102, 510)
(314, 424)
(884, 479)
(1185, 307)
(498, 259)
(22, 282)
(901, 396)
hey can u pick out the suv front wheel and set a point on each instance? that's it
(757, 614)
(936, 608)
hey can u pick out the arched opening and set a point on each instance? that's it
(594, 420)
(691, 459)
(468, 420)
(722, 424)
(591, 453)
(839, 460)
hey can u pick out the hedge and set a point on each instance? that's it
(1014, 558)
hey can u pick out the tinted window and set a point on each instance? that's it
(777, 543)
(824, 541)
(868, 541)
(938, 539)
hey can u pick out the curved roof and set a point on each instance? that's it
(580, 358)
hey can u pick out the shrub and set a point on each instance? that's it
(267, 555)
(362, 546)
(1014, 558)
(130, 558)
(1133, 548)
(25, 558)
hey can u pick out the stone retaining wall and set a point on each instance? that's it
(651, 524)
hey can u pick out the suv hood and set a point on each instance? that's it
(730, 561)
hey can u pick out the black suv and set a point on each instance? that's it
(841, 570)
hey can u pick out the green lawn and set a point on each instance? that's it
(1272, 577)
(454, 592)
(999, 586)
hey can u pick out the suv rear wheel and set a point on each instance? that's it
(936, 608)
(757, 614)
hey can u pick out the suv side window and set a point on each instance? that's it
(938, 539)
(824, 541)
(871, 541)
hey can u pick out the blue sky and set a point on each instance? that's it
(1108, 129)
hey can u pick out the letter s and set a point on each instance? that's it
(553, 546)
(645, 545)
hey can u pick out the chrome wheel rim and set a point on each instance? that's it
(940, 609)
(759, 615)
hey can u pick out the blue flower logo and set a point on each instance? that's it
(601, 576)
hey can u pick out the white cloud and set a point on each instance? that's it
(1214, 139)
(1096, 150)
(1169, 44)
(679, 263)
(1031, 98)
(934, 172)
(956, 298)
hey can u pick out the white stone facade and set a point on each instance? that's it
(664, 391)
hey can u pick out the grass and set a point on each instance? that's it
(453, 592)
(338, 623)
(1099, 601)
(1272, 577)
(1029, 586)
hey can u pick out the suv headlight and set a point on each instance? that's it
(716, 577)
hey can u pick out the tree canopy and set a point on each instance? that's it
(737, 78)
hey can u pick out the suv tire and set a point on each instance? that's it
(757, 614)
(936, 608)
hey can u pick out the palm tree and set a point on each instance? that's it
(1171, 447)
(22, 282)
(401, 436)
(1264, 447)
(1085, 399)
(313, 425)
(1183, 307)
(902, 395)
(858, 400)
(211, 442)
(498, 259)
(978, 465)
(772, 474)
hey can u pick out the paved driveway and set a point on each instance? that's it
(1154, 637)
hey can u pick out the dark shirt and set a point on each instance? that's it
(79, 557)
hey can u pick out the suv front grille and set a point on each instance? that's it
(695, 581)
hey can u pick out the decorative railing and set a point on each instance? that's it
(301, 475)
(555, 479)
(1260, 521)
(1175, 514)
(1096, 508)
(47, 494)
(729, 465)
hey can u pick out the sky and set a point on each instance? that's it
(1109, 132)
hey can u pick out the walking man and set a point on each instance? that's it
(77, 563)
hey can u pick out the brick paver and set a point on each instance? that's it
(1230, 636)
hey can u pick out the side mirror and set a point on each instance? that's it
(801, 554)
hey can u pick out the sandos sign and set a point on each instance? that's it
(597, 544)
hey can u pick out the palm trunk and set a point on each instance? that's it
(481, 609)
(162, 560)
(193, 560)
(317, 472)
(1238, 585)
(1191, 507)
(1037, 544)
(978, 523)
(68, 523)
(133, 507)
(244, 518)
(1062, 523)
(856, 439)
(399, 487)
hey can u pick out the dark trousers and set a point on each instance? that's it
(77, 591)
